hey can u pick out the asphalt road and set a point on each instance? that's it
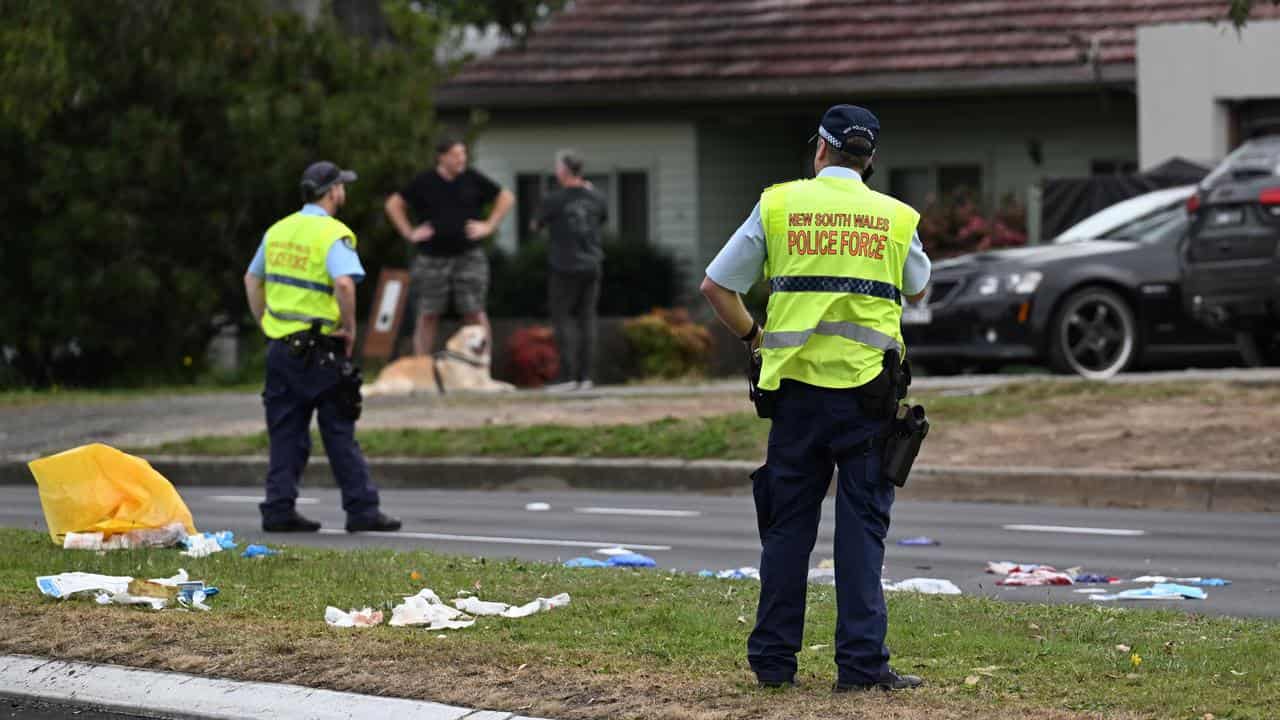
(31, 709)
(28, 431)
(694, 532)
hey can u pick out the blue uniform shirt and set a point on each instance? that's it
(341, 260)
(740, 262)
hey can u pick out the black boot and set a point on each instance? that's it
(892, 681)
(373, 523)
(293, 522)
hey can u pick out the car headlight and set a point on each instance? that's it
(1018, 283)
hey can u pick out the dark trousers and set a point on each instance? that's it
(294, 390)
(815, 429)
(572, 298)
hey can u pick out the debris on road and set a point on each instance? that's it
(476, 606)
(918, 540)
(98, 489)
(1159, 591)
(615, 550)
(1020, 575)
(1203, 582)
(368, 617)
(928, 586)
(1092, 578)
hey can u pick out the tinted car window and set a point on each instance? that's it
(1256, 158)
(1151, 227)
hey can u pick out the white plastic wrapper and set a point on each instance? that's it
(476, 606)
(368, 617)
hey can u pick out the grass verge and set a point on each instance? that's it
(736, 436)
(634, 643)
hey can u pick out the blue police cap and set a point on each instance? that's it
(842, 123)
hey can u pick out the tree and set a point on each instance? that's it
(1240, 11)
(146, 148)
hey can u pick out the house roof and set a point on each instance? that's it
(618, 51)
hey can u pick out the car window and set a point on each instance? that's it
(1256, 158)
(1149, 226)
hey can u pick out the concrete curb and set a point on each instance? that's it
(1156, 490)
(178, 695)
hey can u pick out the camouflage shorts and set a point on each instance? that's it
(436, 278)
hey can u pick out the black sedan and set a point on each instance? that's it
(1091, 307)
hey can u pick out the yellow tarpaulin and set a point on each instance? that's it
(96, 488)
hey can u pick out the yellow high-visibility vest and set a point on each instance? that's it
(299, 290)
(835, 254)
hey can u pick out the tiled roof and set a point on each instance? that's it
(674, 49)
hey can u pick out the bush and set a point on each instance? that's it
(668, 344)
(533, 357)
(637, 277)
(957, 225)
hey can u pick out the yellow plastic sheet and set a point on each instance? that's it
(96, 488)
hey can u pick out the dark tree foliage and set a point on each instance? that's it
(1240, 10)
(148, 145)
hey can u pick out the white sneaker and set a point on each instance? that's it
(568, 386)
(585, 385)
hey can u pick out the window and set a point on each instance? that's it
(912, 186)
(955, 177)
(626, 191)
(632, 217)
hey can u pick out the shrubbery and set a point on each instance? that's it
(668, 344)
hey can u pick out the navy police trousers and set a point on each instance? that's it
(295, 389)
(815, 430)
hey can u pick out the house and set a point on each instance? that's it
(686, 109)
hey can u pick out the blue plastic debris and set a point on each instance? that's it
(918, 540)
(631, 560)
(256, 551)
(1211, 582)
(585, 562)
(225, 539)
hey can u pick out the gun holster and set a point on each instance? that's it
(764, 400)
(905, 435)
(347, 397)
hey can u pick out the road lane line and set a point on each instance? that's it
(645, 512)
(500, 540)
(255, 499)
(1075, 530)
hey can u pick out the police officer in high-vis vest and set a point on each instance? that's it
(839, 258)
(302, 291)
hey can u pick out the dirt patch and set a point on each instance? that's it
(417, 664)
(1218, 427)
(476, 412)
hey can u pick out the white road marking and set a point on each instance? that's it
(1075, 530)
(500, 540)
(646, 512)
(255, 499)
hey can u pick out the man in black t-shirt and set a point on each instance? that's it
(574, 215)
(448, 202)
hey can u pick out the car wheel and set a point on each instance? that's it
(1258, 349)
(1094, 335)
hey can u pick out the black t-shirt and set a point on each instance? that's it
(448, 205)
(574, 216)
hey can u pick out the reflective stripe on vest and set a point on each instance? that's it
(835, 251)
(299, 291)
(833, 328)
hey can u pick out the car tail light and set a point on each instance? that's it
(1193, 204)
(1270, 199)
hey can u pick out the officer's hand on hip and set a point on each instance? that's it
(348, 338)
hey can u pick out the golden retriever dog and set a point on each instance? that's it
(464, 365)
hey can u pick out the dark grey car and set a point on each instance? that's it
(1231, 260)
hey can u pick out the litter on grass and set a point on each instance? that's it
(585, 562)
(742, 573)
(476, 606)
(168, 536)
(928, 586)
(368, 617)
(205, 544)
(258, 551)
(158, 593)
(427, 609)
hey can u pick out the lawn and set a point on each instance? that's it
(634, 643)
(735, 436)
